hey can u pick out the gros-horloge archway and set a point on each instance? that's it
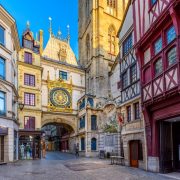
(59, 134)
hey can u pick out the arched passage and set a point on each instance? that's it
(58, 136)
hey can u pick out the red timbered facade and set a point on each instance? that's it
(157, 39)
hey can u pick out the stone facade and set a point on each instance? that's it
(98, 43)
(9, 46)
(31, 69)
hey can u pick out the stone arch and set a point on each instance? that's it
(59, 121)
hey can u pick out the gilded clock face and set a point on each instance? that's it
(60, 97)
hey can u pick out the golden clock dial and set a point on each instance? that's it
(60, 97)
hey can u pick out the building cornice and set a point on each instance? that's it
(11, 85)
(30, 65)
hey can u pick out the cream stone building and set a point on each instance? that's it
(29, 88)
(9, 46)
(63, 84)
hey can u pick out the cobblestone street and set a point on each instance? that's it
(59, 166)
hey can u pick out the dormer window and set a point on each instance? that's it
(28, 44)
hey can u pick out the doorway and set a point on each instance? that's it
(134, 153)
(1, 149)
(169, 146)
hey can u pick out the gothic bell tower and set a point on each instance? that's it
(99, 22)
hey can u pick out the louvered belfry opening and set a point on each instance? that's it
(169, 146)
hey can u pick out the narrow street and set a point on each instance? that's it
(61, 166)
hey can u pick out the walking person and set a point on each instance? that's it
(77, 151)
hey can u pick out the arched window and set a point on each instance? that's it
(93, 144)
(88, 47)
(112, 40)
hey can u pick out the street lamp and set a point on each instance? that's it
(21, 106)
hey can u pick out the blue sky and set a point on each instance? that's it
(62, 12)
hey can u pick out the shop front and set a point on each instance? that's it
(170, 145)
(29, 145)
(163, 137)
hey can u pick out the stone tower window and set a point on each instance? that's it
(88, 48)
(111, 7)
(112, 40)
(87, 8)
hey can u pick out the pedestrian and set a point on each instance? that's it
(77, 151)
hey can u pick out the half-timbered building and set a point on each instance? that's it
(133, 124)
(157, 30)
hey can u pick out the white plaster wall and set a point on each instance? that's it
(128, 22)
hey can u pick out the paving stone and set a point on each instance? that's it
(60, 166)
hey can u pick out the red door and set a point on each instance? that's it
(134, 154)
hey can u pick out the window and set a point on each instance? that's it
(93, 122)
(28, 58)
(153, 2)
(2, 68)
(158, 46)
(129, 113)
(82, 144)
(93, 144)
(127, 44)
(63, 75)
(125, 80)
(82, 122)
(171, 34)
(111, 7)
(158, 67)
(2, 103)
(88, 47)
(112, 40)
(2, 35)
(29, 99)
(29, 80)
(136, 111)
(133, 73)
(171, 56)
(28, 44)
(90, 101)
(147, 75)
(29, 123)
(82, 104)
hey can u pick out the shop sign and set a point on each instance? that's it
(3, 130)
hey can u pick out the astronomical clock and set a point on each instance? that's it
(60, 96)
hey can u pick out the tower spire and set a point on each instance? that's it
(50, 27)
(59, 34)
(27, 24)
(68, 34)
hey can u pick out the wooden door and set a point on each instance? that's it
(134, 154)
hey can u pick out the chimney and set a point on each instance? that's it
(41, 41)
